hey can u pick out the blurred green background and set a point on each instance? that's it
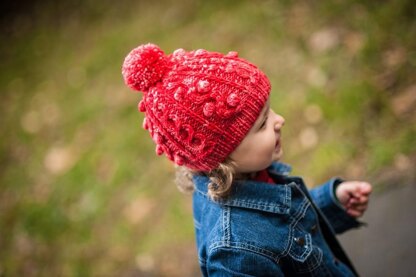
(82, 192)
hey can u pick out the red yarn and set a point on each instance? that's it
(144, 66)
(199, 105)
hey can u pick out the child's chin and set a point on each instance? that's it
(278, 156)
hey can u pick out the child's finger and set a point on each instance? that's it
(360, 200)
(356, 188)
(365, 188)
(363, 199)
(353, 201)
(354, 213)
(357, 205)
(360, 208)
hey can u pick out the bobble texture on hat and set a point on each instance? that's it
(198, 105)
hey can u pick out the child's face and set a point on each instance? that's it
(262, 145)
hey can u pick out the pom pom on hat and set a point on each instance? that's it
(144, 67)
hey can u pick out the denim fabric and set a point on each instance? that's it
(271, 230)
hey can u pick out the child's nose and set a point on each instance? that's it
(279, 121)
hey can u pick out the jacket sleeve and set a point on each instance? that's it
(324, 197)
(226, 261)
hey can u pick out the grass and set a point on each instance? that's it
(82, 192)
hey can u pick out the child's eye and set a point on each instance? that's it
(263, 124)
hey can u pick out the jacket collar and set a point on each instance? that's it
(279, 168)
(253, 194)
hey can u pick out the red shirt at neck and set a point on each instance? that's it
(263, 176)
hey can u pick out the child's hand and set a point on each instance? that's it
(354, 196)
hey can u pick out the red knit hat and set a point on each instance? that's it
(198, 105)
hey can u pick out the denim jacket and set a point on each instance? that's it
(271, 230)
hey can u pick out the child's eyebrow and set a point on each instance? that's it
(266, 111)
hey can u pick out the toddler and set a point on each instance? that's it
(210, 114)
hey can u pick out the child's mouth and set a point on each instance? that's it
(277, 145)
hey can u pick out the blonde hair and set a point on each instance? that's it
(221, 179)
